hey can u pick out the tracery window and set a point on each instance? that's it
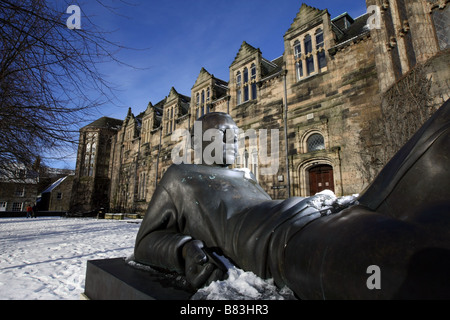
(315, 142)
(90, 153)
(311, 58)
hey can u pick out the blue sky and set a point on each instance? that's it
(179, 37)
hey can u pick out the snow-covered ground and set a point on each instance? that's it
(45, 258)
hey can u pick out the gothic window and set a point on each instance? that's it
(297, 49)
(299, 69)
(310, 65)
(198, 99)
(246, 96)
(308, 44)
(253, 81)
(238, 88)
(315, 142)
(245, 75)
(170, 125)
(146, 130)
(298, 61)
(319, 39)
(322, 59)
(319, 47)
(142, 186)
(208, 94)
(90, 154)
(441, 19)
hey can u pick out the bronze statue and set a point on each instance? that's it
(401, 226)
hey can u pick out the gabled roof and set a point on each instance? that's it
(202, 77)
(220, 87)
(271, 68)
(305, 15)
(105, 122)
(245, 50)
(173, 94)
(358, 29)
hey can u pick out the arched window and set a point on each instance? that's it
(245, 75)
(308, 44)
(208, 94)
(319, 38)
(198, 99)
(90, 154)
(310, 59)
(315, 142)
(320, 52)
(238, 88)
(299, 69)
(297, 49)
(246, 96)
(253, 81)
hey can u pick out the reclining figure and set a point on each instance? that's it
(401, 225)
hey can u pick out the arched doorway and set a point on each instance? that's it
(321, 178)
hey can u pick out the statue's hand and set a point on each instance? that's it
(198, 270)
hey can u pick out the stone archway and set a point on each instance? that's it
(317, 171)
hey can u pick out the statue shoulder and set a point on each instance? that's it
(178, 170)
(246, 172)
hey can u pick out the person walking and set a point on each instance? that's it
(29, 212)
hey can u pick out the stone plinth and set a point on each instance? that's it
(114, 279)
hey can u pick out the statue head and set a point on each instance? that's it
(218, 138)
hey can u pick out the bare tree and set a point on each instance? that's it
(49, 78)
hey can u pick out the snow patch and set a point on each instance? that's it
(243, 285)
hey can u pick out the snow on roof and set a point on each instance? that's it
(54, 185)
